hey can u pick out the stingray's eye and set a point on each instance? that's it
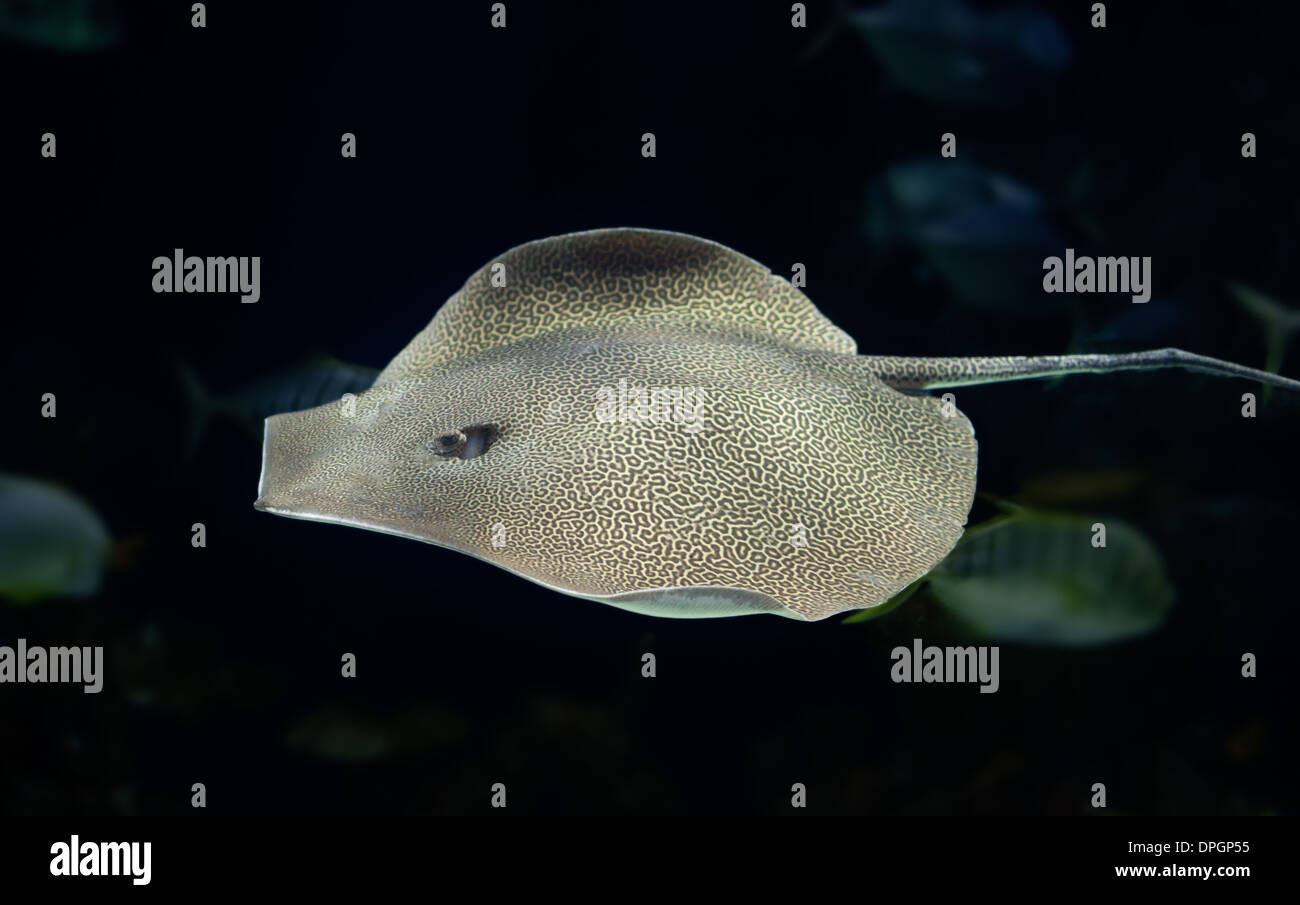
(449, 444)
(469, 442)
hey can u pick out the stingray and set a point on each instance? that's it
(657, 422)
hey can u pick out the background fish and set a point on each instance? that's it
(52, 544)
(948, 51)
(983, 233)
(305, 386)
(1278, 323)
(1036, 577)
(909, 195)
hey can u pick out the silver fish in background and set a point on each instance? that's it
(1038, 578)
(947, 51)
(991, 256)
(983, 233)
(914, 193)
(52, 543)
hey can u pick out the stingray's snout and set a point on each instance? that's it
(305, 473)
(285, 475)
(264, 501)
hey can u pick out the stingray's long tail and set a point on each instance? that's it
(934, 373)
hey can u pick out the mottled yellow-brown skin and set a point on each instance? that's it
(811, 486)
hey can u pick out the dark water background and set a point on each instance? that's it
(225, 141)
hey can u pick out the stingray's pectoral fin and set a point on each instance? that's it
(935, 373)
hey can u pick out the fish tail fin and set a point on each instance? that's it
(934, 373)
(1277, 322)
